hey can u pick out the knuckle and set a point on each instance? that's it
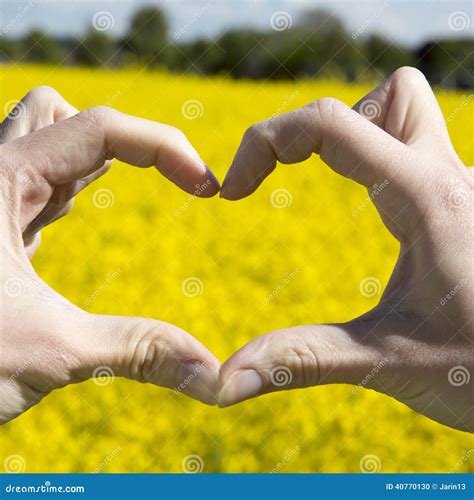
(99, 115)
(329, 113)
(262, 132)
(42, 94)
(303, 362)
(298, 363)
(177, 134)
(326, 107)
(407, 75)
(257, 131)
(149, 351)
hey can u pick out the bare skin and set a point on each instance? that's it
(419, 342)
(48, 153)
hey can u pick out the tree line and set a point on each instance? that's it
(318, 45)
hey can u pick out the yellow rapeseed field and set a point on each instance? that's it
(133, 238)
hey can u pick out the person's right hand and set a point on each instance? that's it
(48, 153)
(417, 344)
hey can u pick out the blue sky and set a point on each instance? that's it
(406, 21)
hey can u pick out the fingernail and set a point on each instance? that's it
(198, 381)
(224, 188)
(225, 183)
(76, 188)
(243, 384)
(213, 178)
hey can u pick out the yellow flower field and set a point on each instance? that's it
(132, 240)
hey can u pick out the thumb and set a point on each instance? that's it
(145, 350)
(302, 357)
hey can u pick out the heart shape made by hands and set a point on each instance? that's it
(393, 141)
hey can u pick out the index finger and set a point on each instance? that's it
(80, 145)
(347, 142)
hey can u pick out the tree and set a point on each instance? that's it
(386, 56)
(9, 49)
(147, 36)
(37, 46)
(96, 49)
(448, 62)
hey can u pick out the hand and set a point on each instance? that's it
(416, 344)
(48, 153)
